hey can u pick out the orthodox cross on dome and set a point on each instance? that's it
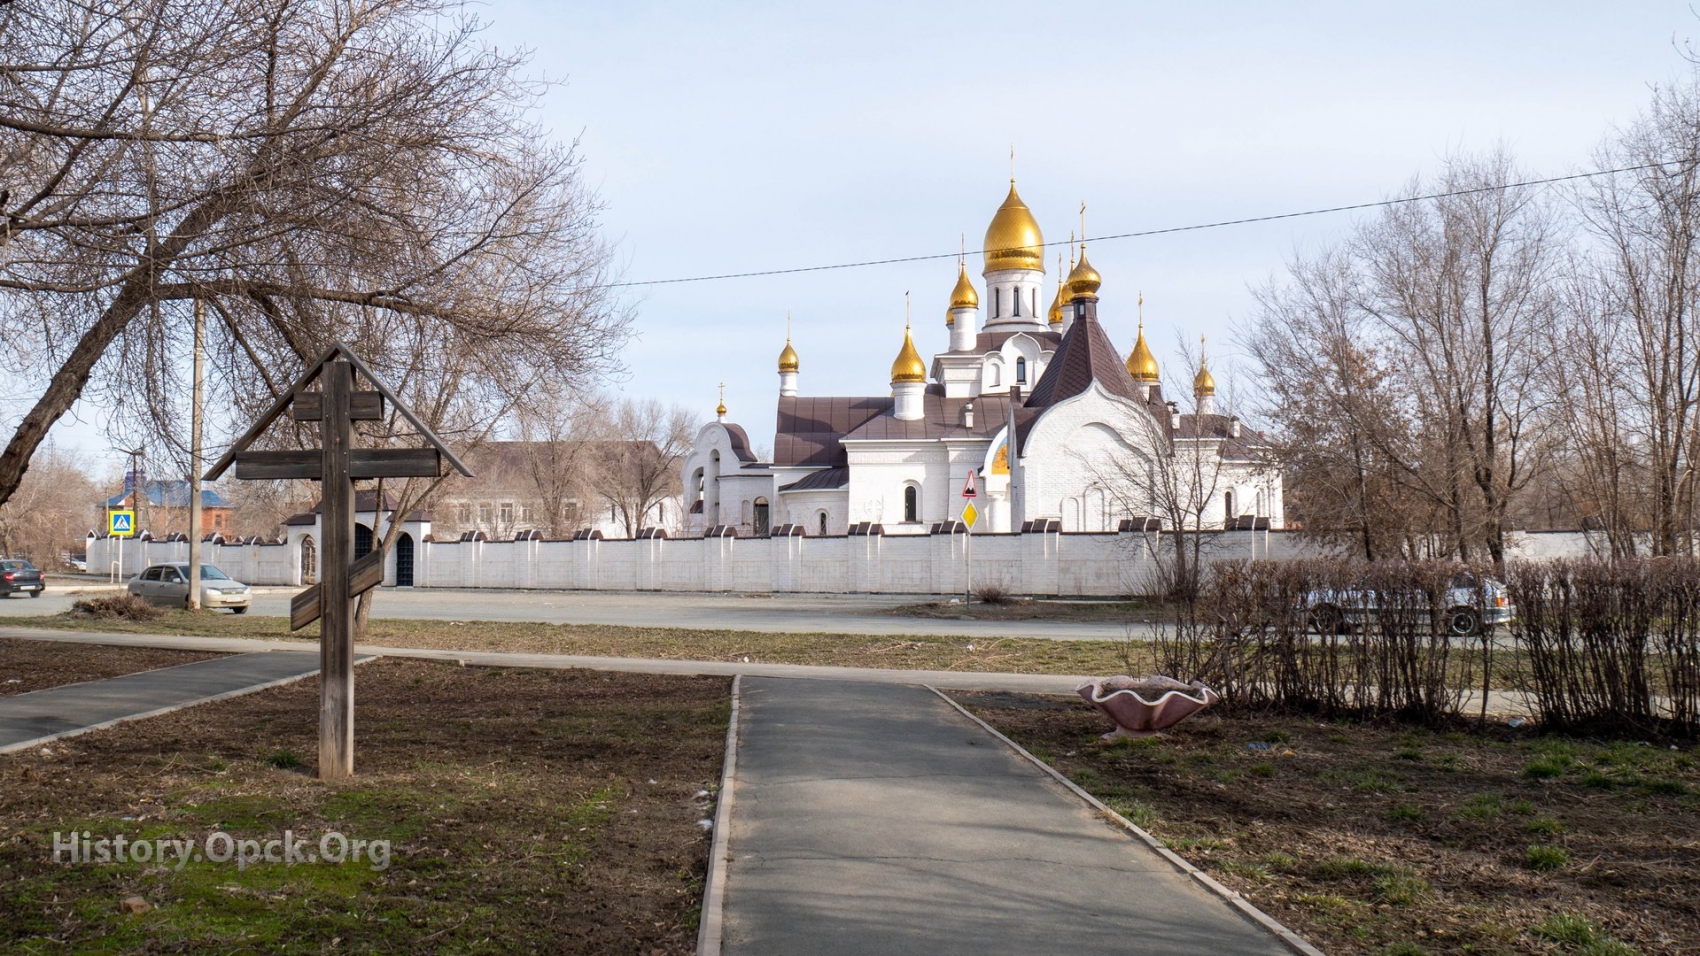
(720, 410)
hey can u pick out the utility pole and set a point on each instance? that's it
(195, 457)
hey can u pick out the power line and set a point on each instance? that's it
(1167, 231)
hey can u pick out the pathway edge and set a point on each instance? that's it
(720, 851)
(1293, 940)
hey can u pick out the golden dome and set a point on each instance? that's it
(908, 367)
(1013, 240)
(1141, 364)
(964, 296)
(1203, 383)
(1084, 280)
(1057, 302)
(788, 358)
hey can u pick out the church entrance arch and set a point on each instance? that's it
(404, 561)
(309, 561)
(362, 541)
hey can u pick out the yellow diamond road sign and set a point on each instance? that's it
(121, 524)
(969, 514)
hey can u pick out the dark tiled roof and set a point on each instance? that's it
(1246, 446)
(825, 478)
(809, 428)
(1085, 355)
(992, 341)
(740, 441)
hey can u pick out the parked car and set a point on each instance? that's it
(18, 575)
(168, 584)
(77, 562)
(1472, 606)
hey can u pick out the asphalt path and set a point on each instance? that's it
(776, 613)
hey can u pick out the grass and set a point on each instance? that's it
(917, 651)
(1580, 936)
(1546, 859)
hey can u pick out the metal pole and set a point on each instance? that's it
(968, 565)
(195, 459)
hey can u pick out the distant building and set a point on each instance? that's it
(163, 508)
(553, 488)
(1032, 401)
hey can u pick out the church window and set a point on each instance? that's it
(911, 504)
(997, 303)
(1015, 300)
(1035, 309)
(762, 519)
(822, 519)
(995, 377)
(1228, 506)
(1021, 371)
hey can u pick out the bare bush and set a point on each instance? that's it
(115, 607)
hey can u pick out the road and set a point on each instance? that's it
(778, 613)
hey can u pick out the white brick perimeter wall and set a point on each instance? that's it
(1068, 565)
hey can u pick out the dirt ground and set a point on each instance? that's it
(1384, 840)
(541, 811)
(33, 665)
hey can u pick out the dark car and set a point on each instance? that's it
(17, 575)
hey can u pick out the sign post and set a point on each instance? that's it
(969, 513)
(120, 525)
(336, 406)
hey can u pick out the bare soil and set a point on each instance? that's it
(542, 811)
(34, 665)
(1385, 840)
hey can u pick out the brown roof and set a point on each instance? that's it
(1084, 356)
(940, 418)
(992, 341)
(825, 478)
(809, 428)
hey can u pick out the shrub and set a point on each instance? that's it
(284, 759)
(993, 594)
(116, 607)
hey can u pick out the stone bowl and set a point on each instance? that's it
(1145, 707)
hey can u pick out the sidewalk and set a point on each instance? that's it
(871, 818)
(28, 720)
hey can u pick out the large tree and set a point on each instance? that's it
(313, 170)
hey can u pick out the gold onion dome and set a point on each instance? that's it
(964, 296)
(1142, 365)
(1013, 240)
(908, 367)
(1084, 280)
(1203, 383)
(788, 358)
(1057, 301)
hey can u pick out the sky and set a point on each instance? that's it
(739, 137)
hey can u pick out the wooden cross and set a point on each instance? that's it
(336, 406)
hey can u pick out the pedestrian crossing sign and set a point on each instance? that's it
(121, 524)
(969, 514)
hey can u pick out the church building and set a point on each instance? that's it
(1031, 398)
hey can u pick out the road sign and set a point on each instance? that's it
(968, 488)
(969, 514)
(121, 524)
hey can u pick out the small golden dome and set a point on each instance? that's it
(1084, 280)
(1058, 300)
(908, 367)
(1203, 383)
(1013, 240)
(788, 358)
(720, 410)
(1141, 364)
(964, 296)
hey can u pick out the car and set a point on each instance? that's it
(20, 576)
(1472, 606)
(168, 585)
(77, 562)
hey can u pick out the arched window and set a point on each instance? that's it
(309, 561)
(362, 541)
(822, 519)
(1228, 508)
(997, 375)
(761, 521)
(911, 503)
(1021, 371)
(997, 302)
(1035, 302)
(1015, 299)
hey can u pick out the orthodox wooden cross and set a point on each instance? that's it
(336, 406)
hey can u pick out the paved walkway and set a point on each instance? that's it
(876, 819)
(36, 717)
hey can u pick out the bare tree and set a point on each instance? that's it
(315, 171)
(51, 513)
(638, 462)
(564, 431)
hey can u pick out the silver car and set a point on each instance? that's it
(168, 584)
(1472, 606)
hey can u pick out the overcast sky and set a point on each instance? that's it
(734, 137)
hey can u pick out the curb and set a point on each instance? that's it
(238, 692)
(720, 852)
(1292, 940)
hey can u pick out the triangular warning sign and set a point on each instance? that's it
(968, 487)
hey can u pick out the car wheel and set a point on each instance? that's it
(1327, 620)
(1463, 622)
(239, 610)
(35, 594)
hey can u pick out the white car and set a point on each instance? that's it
(168, 584)
(1471, 607)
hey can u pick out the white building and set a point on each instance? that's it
(1095, 443)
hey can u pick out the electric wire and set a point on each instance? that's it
(1354, 207)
